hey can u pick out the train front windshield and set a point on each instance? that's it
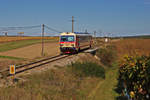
(67, 38)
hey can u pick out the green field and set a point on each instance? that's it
(19, 44)
(10, 57)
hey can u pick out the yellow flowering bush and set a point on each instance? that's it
(134, 71)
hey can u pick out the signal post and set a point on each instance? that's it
(12, 71)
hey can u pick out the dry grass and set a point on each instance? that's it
(132, 47)
(53, 84)
(17, 38)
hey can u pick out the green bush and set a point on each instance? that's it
(135, 72)
(87, 69)
(107, 55)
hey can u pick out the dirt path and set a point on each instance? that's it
(105, 89)
(33, 51)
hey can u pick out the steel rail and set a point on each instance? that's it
(34, 64)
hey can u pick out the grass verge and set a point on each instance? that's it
(107, 55)
(87, 69)
(59, 84)
(105, 89)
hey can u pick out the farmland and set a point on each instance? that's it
(9, 43)
(132, 46)
(18, 38)
(17, 49)
(134, 65)
(72, 81)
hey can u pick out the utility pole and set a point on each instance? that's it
(95, 37)
(42, 40)
(72, 24)
(86, 31)
(95, 34)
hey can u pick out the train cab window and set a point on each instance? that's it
(67, 38)
(70, 38)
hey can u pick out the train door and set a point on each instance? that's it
(77, 43)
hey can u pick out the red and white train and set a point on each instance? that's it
(74, 42)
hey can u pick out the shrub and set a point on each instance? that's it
(135, 72)
(107, 55)
(87, 69)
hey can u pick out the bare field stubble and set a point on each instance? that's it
(132, 47)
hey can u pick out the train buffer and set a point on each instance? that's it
(92, 50)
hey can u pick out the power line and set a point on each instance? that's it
(2, 29)
(19, 28)
(52, 29)
(24, 26)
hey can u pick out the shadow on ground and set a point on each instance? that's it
(119, 89)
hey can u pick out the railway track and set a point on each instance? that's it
(22, 68)
(32, 65)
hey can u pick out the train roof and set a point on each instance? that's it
(81, 33)
(75, 33)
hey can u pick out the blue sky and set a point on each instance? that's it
(125, 17)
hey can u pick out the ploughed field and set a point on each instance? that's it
(33, 51)
(14, 50)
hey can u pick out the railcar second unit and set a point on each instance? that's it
(74, 42)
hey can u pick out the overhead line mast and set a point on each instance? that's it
(72, 24)
(42, 39)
